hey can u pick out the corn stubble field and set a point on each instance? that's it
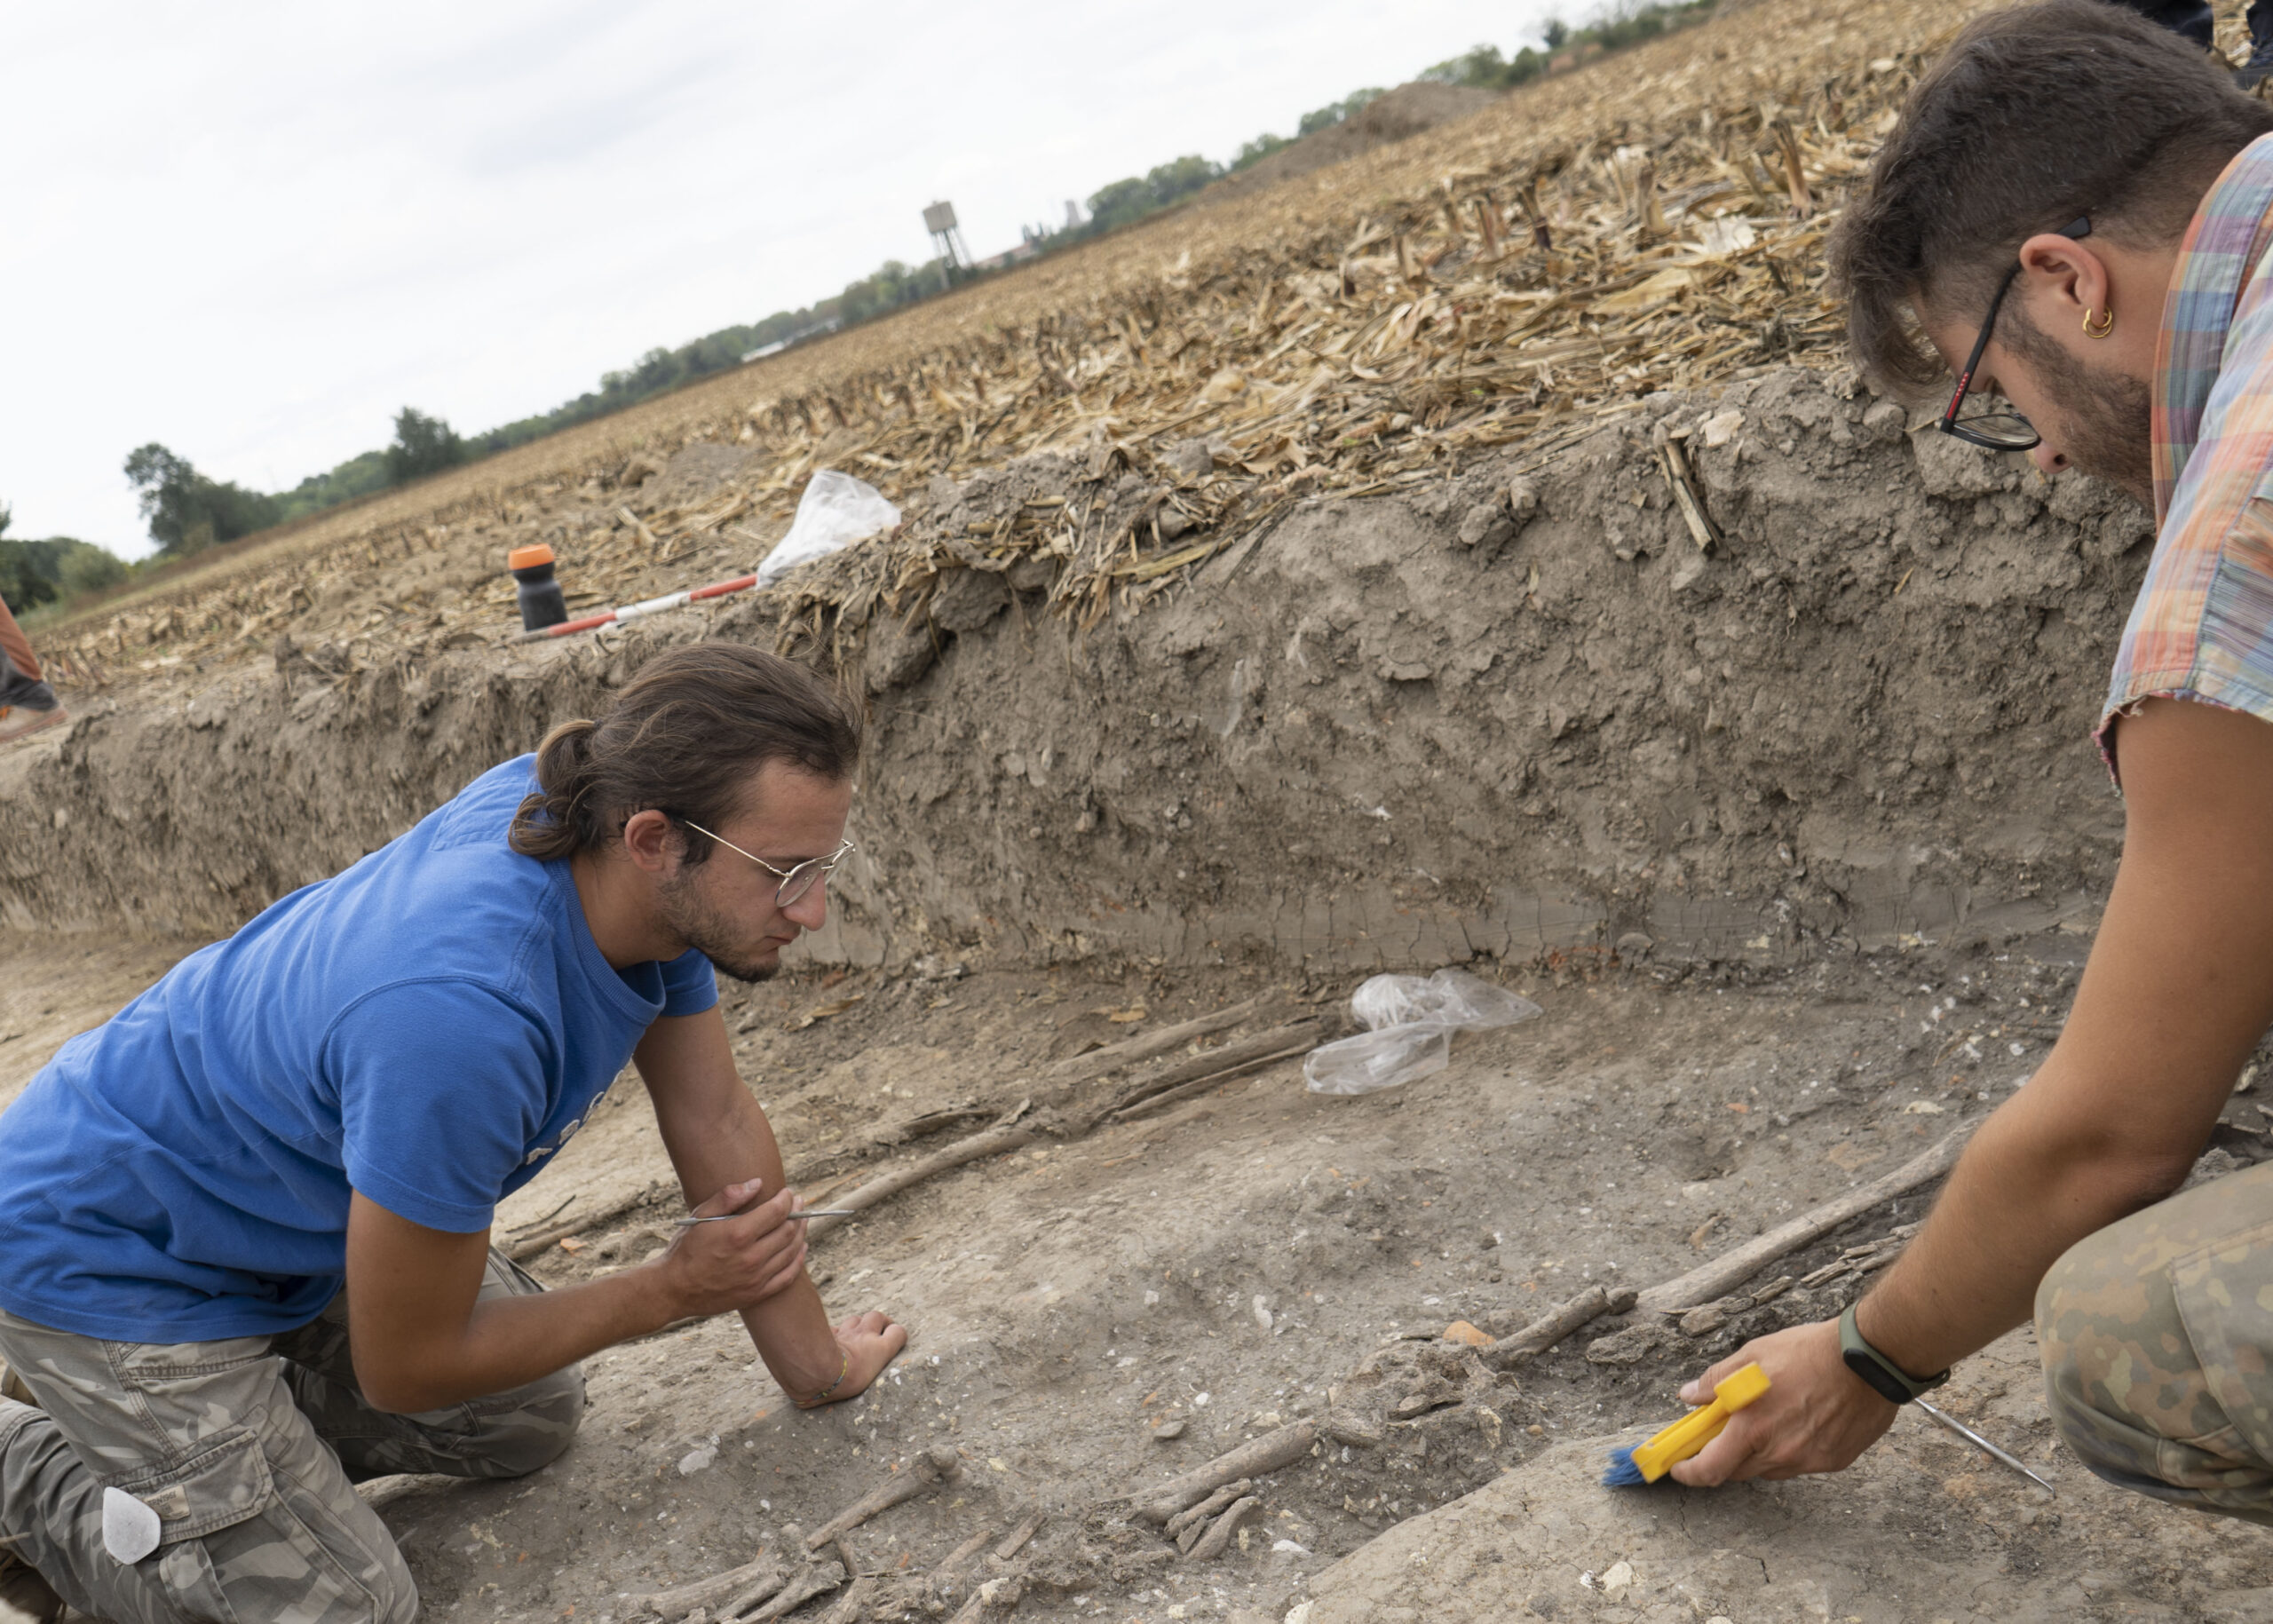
(1646, 223)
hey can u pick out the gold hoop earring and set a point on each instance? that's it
(2104, 328)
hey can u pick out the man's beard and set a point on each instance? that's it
(2106, 419)
(692, 919)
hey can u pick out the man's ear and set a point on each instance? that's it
(2068, 275)
(652, 841)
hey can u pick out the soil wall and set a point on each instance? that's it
(1492, 716)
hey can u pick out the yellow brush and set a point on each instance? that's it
(1649, 1461)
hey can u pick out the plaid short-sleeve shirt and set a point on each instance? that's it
(2202, 626)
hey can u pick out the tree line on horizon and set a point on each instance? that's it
(186, 511)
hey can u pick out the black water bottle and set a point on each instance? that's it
(542, 603)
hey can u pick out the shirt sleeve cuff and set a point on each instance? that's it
(451, 1218)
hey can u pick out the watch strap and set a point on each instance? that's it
(1880, 1373)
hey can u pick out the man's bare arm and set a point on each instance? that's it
(718, 1134)
(2178, 990)
(420, 1338)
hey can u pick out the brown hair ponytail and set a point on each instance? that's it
(555, 822)
(683, 737)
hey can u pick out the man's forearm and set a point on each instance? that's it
(789, 1329)
(511, 1341)
(2028, 1187)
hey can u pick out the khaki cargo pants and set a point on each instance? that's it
(247, 1450)
(2157, 1341)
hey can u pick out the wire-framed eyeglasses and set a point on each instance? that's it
(796, 882)
(1997, 428)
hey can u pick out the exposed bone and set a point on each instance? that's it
(1219, 1532)
(993, 1142)
(1128, 1052)
(1558, 1322)
(683, 1599)
(1207, 1507)
(1202, 1072)
(1732, 1269)
(935, 1466)
(962, 1554)
(526, 1247)
(1255, 1459)
(1870, 1256)
(816, 1579)
(1015, 1540)
(1000, 1595)
(1349, 1429)
(852, 1603)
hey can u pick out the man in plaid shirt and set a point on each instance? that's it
(28, 705)
(2073, 217)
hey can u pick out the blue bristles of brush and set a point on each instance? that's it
(1623, 1474)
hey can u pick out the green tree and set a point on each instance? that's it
(1554, 32)
(1118, 202)
(1481, 66)
(1333, 111)
(1258, 149)
(21, 588)
(60, 567)
(423, 445)
(186, 511)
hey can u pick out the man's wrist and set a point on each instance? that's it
(802, 1365)
(1875, 1369)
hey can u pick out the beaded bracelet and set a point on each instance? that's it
(822, 1397)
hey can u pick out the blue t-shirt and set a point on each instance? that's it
(427, 1027)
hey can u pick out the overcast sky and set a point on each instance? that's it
(252, 232)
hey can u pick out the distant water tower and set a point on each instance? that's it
(939, 220)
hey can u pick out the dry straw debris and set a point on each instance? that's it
(1653, 220)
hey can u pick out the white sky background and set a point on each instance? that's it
(252, 232)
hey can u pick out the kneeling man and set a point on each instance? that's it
(244, 1225)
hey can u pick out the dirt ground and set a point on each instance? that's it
(1253, 1257)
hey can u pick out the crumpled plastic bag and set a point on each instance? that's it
(835, 511)
(1411, 1019)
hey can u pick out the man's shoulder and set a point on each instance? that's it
(448, 902)
(482, 812)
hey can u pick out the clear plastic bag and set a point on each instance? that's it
(1413, 1019)
(835, 511)
(1449, 998)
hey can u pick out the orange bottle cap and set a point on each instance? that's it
(528, 558)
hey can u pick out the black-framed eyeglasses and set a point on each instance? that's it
(796, 883)
(1997, 428)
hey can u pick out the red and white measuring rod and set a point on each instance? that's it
(632, 611)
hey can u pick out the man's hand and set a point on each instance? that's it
(1816, 1415)
(716, 1268)
(868, 1343)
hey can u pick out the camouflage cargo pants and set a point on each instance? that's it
(247, 1450)
(2157, 1335)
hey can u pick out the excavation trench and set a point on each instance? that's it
(1397, 731)
(1837, 750)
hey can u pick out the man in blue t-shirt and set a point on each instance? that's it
(244, 1256)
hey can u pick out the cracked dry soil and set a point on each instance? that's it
(1091, 1317)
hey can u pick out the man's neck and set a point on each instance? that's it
(619, 910)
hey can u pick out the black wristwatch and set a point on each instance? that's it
(1885, 1378)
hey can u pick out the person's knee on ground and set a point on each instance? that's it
(2129, 1388)
(516, 1433)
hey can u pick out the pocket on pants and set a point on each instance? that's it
(219, 1487)
(233, 1547)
